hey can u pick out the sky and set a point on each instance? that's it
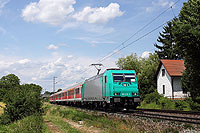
(40, 39)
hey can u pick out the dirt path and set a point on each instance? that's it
(81, 127)
(53, 128)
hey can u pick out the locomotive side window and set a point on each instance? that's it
(105, 79)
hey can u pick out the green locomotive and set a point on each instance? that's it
(113, 88)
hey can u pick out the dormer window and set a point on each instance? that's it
(163, 72)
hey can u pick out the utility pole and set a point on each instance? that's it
(54, 83)
(98, 68)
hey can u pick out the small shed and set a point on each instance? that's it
(169, 75)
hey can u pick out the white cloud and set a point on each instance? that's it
(163, 3)
(70, 56)
(145, 54)
(68, 69)
(62, 13)
(3, 3)
(159, 3)
(52, 47)
(148, 9)
(34, 78)
(99, 15)
(24, 61)
(53, 12)
(94, 41)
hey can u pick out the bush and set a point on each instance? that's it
(152, 97)
(181, 105)
(193, 105)
(21, 101)
(166, 103)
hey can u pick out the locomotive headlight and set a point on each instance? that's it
(116, 94)
(124, 85)
(134, 94)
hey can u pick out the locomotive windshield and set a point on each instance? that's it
(124, 77)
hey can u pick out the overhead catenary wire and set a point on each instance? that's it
(125, 46)
(122, 44)
(116, 50)
(134, 41)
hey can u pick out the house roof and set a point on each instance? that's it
(173, 67)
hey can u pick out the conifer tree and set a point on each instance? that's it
(168, 49)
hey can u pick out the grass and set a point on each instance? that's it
(31, 124)
(36, 124)
(58, 121)
(92, 119)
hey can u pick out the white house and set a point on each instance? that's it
(169, 75)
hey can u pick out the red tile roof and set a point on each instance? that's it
(173, 67)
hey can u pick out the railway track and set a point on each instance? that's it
(171, 115)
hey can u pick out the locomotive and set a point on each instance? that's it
(114, 88)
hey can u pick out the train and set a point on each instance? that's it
(114, 88)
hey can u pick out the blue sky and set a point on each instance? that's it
(45, 38)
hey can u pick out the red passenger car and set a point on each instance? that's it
(71, 94)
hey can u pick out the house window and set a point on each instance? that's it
(163, 72)
(163, 89)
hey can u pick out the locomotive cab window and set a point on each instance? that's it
(124, 77)
(118, 77)
(130, 77)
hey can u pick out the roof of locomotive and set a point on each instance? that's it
(110, 69)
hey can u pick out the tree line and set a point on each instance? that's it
(180, 39)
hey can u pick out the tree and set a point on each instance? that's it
(8, 82)
(145, 68)
(187, 37)
(147, 79)
(130, 62)
(168, 49)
